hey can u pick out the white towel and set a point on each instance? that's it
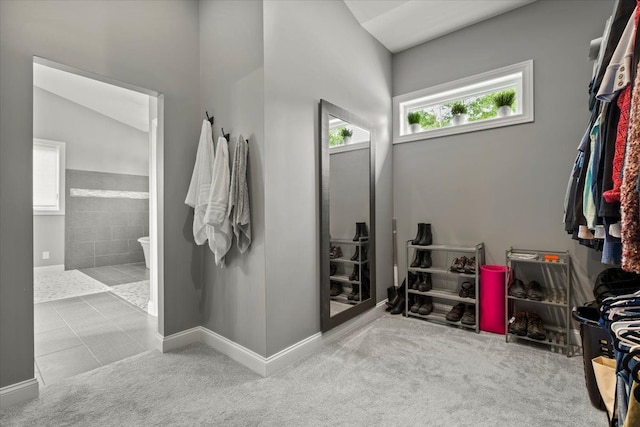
(239, 212)
(200, 187)
(216, 214)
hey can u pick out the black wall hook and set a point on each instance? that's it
(226, 135)
(209, 118)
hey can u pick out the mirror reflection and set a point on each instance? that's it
(349, 219)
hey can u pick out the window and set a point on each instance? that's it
(345, 136)
(48, 177)
(476, 98)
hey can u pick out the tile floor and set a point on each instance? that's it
(78, 334)
(118, 274)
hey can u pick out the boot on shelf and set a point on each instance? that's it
(417, 260)
(421, 230)
(333, 269)
(355, 275)
(336, 289)
(425, 284)
(426, 238)
(361, 231)
(356, 254)
(425, 260)
(417, 303)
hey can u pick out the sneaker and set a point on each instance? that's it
(519, 324)
(535, 327)
(517, 289)
(417, 302)
(470, 265)
(427, 307)
(458, 264)
(469, 316)
(467, 290)
(456, 313)
(535, 291)
(425, 284)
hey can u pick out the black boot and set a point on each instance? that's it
(415, 283)
(355, 275)
(361, 231)
(421, 230)
(399, 294)
(398, 308)
(417, 260)
(425, 260)
(355, 289)
(426, 238)
(425, 284)
(333, 269)
(356, 254)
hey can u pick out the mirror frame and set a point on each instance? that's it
(326, 320)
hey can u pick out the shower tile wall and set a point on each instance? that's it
(104, 231)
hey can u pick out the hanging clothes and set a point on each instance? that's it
(239, 211)
(200, 186)
(218, 203)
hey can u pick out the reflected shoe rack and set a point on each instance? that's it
(446, 291)
(353, 284)
(549, 303)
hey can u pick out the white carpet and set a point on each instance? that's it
(392, 372)
(65, 284)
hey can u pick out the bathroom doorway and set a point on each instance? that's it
(97, 188)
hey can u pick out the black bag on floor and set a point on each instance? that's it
(613, 282)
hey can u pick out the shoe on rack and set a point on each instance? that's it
(355, 274)
(415, 284)
(354, 291)
(458, 264)
(519, 324)
(470, 265)
(336, 289)
(336, 252)
(469, 316)
(467, 290)
(333, 269)
(417, 302)
(425, 261)
(425, 285)
(356, 254)
(426, 238)
(535, 291)
(535, 327)
(426, 307)
(417, 259)
(361, 231)
(421, 230)
(456, 313)
(517, 289)
(413, 280)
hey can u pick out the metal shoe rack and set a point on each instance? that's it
(361, 243)
(554, 274)
(444, 298)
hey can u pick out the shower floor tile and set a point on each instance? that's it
(121, 274)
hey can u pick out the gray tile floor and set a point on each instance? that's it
(78, 334)
(118, 274)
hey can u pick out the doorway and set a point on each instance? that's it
(97, 187)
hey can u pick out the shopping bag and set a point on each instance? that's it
(604, 370)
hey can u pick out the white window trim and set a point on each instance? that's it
(462, 88)
(61, 177)
(353, 146)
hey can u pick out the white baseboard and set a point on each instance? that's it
(19, 393)
(261, 365)
(49, 269)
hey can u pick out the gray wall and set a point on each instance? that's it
(232, 89)
(504, 186)
(104, 231)
(93, 142)
(304, 43)
(151, 44)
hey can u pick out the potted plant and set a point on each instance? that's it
(504, 102)
(459, 112)
(346, 135)
(414, 121)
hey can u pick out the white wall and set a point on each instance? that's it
(304, 61)
(152, 44)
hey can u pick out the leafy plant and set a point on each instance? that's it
(414, 117)
(345, 132)
(458, 108)
(504, 98)
(335, 137)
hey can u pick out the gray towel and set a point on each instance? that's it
(239, 212)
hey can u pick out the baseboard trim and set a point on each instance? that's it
(261, 365)
(18, 393)
(49, 269)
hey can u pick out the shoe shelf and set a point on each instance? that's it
(443, 294)
(360, 242)
(348, 261)
(440, 316)
(446, 295)
(343, 279)
(552, 270)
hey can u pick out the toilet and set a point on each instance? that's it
(144, 242)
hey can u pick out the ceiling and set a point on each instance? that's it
(124, 105)
(401, 24)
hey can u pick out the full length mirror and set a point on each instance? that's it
(347, 217)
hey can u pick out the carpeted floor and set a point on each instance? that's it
(64, 284)
(392, 372)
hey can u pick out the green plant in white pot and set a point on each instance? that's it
(346, 135)
(414, 121)
(459, 113)
(504, 102)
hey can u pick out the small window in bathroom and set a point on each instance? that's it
(48, 177)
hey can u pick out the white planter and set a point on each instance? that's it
(505, 111)
(347, 140)
(415, 127)
(459, 119)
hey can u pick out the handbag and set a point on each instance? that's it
(604, 370)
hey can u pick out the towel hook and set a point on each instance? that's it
(209, 118)
(226, 135)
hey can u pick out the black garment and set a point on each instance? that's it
(605, 171)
